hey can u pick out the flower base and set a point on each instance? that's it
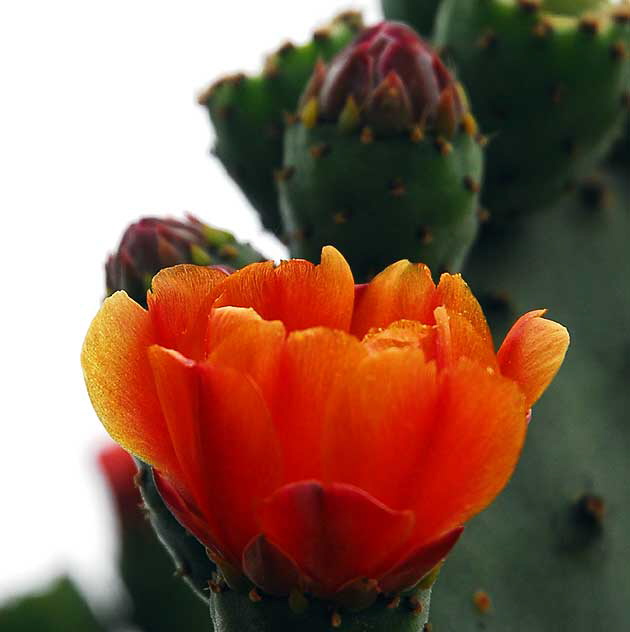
(234, 612)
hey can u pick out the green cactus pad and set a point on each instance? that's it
(234, 612)
(248, 113)
(380, 199)
(417, 13)
(547, 88)
(552, 552)
(189, 556)
(621, 150)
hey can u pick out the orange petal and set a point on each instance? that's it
(471, 450)
(453, 292)
(177, 383)
(403, 291)
(179, 303)
(456, 337)
(241, 461)
(532, 353)
(335, 533)
(241, 339)
(419, 562)
(314, 363)
(120, 382)
(186, 515)
(375, 434)
(402, 334)
(298, 293)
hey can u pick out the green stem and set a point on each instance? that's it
(234, 612)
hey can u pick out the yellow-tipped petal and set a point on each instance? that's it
(532, 353)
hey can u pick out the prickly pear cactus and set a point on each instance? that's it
(552, 553)
(151, 244)
(417, 13)
(248, 113)
(60, 607)
(231, 613)
(189, 556)
(621, 150)
(547, 82)
(384, 160)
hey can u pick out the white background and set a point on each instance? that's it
(98, 126)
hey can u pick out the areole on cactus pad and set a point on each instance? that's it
(319, 438)
(384, 159)
(549, 82)
(248, 113)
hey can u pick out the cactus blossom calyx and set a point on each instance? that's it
(393, 79)
(314, 435)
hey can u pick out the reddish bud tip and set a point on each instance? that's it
(396, 79)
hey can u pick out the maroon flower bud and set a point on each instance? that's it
(151, 244)
(391, 79)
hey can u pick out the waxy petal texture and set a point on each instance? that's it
(403, 291)
(335, 533)
(471, 449)
(120, 382)
(179, 303)
(532, 353)
(375, 435)
(314, 364)
(296, 292)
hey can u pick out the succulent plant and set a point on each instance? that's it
(160, 601)
(248, 113)
(60, 606)
(151, 244)
(420, 14)
(552, 553)
(548, 81)
(384, 159)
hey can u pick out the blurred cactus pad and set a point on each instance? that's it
(420, 14)
(548, 82)
(248, 113)
(60, 606)
(384, 160)
(552, 553)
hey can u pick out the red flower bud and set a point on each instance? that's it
(151, 244)
(395, 79)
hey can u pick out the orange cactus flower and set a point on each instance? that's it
(315, 434)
